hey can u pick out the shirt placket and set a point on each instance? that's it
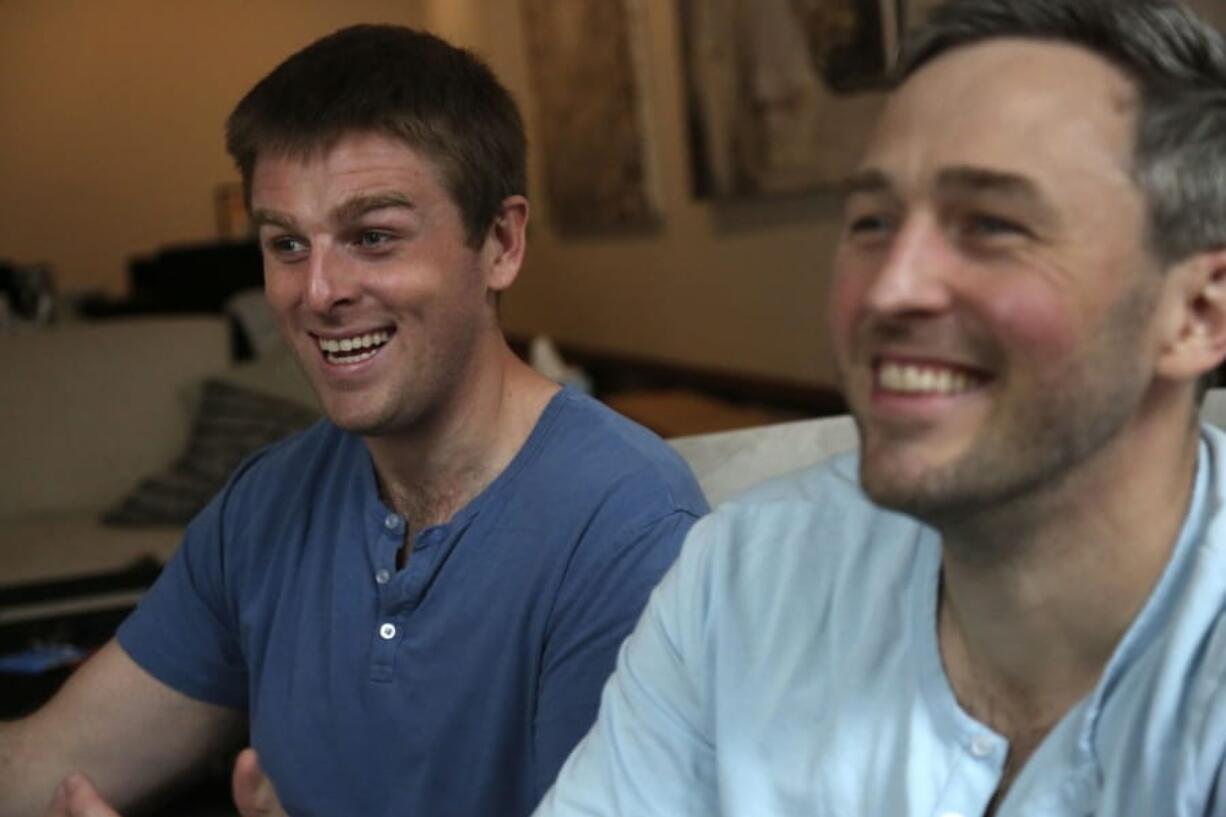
(399, 593)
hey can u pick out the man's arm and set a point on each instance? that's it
(130, 733)
(649, 753)
(597, 608)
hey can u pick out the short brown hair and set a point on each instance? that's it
(439, 99)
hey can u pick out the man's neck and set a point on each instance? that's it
(1036, 596)
(429, 474)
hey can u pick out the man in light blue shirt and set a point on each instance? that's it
(1010, 601)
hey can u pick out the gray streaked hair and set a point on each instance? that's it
(1178, 63)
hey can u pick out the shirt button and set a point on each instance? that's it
(391, 521)
(383, 576)
(387, 631)
(981, 746)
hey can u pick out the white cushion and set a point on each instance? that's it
(728, 462)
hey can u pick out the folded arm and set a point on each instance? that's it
(130, 733)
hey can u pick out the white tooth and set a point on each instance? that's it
(943, 381)
(900, 378)
(920, 379)
(329, 345)
(912, 379)
(346, 344)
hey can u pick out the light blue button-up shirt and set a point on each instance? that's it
(788, 665)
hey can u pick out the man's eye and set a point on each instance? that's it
(982, 225)
(373, 239)
(869, 225)
(287, 245)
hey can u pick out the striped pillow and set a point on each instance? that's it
(231, 423)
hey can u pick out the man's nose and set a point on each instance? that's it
(913, 276)
(331, 281)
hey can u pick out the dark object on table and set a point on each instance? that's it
(188, 278)
(29, 290)
(80, 612)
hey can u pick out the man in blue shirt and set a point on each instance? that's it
(413, 605)
(1012, 601)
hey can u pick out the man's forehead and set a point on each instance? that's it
(1010, 106)
(355, 166)
(348, 150)
(952, 179)
(997, 59)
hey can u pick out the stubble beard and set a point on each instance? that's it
(1030, 452)
(1030, 455)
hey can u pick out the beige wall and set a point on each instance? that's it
(732, 287)
(111, 118)
(111, 146)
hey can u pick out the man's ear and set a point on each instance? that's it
(1195, 342)
(505, 243)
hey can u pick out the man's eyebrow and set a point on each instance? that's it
(972, 179)
(980, 180)
(261, 216)
(349, 210)
(354, 208)
(866, 181)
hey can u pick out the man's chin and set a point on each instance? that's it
(354, 419)
(928, 492)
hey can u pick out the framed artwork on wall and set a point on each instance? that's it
(780, 93)
(914, 12)
(588, 66)
(230, 211)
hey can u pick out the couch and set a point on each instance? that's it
(90, 410)
(86, 411)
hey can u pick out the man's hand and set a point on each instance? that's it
(77, 797)
(254, 794)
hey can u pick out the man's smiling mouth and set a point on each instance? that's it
(925, 378)
(353, 349)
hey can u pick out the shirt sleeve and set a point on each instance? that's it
(601, 600)
(183, 632)
(650, 752)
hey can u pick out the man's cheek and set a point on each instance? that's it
(1029, 321)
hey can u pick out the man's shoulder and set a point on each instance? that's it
(816, 520)
(591, 447)
(834, 479)
(589, 422)
(820, 494)
(318, 454)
